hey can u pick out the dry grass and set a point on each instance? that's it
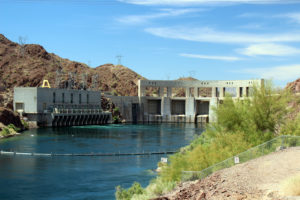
(291, 186)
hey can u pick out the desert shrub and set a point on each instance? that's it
(25, 124)
(135, 189)
(257, 116)
(203, 156)
(116, 115)
(11, 126)
(5, 131)
(291, 186)
(291, 127)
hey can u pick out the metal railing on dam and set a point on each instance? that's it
(14, 153)
(273, 145)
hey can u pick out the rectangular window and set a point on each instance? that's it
(63, 97)
(241, 92)
(20, 106)
(87, 98)
(79, 98)
(54, 97)
(71, 97)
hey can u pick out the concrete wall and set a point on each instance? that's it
(45, 97)
(27, 96)
(124, 103)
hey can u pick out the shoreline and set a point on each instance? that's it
(9, 136)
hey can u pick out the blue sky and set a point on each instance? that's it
(166, 39)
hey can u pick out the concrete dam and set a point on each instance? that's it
(157, 100)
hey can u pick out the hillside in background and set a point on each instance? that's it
(294, 86)
(30, 64)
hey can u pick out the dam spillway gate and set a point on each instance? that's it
(180, 101)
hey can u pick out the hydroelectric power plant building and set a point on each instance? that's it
(60, 107)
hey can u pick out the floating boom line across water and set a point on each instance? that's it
(13, 153)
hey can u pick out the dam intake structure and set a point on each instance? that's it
(180, 101)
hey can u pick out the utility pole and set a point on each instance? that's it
(119, 57)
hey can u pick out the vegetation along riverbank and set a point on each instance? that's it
(240, 125)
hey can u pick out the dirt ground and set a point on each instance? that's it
(258, 179)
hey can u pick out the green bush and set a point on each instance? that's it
(25, 124)
(116, 115)
(5, 131)
(135, 189)
(12, 126)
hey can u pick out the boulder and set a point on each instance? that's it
(7, 117)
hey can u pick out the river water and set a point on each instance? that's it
(70, 177)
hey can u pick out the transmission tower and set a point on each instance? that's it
(95, 79)
(119, 58)
(58, 78)
(83, 81)
(22, 43)
(71, 80)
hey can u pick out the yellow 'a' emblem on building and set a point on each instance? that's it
(46, 84)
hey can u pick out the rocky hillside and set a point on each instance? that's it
(294, 86)
(30, 64)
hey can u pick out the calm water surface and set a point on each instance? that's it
(62, 178)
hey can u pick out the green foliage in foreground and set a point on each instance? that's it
(9, 129)
(136, 189)
(11, 126)
(240, 125)
(292, 124)
(5, 132)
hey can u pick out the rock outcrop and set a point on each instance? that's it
(7, 117)
(294, 86)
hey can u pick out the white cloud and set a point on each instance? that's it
(224, 58)
(138, 19)
(269, 49)
(212, 36)
(293, 16)
(280, 73)
(252, 26)
(205, 2)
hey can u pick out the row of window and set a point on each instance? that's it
(72, 98)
